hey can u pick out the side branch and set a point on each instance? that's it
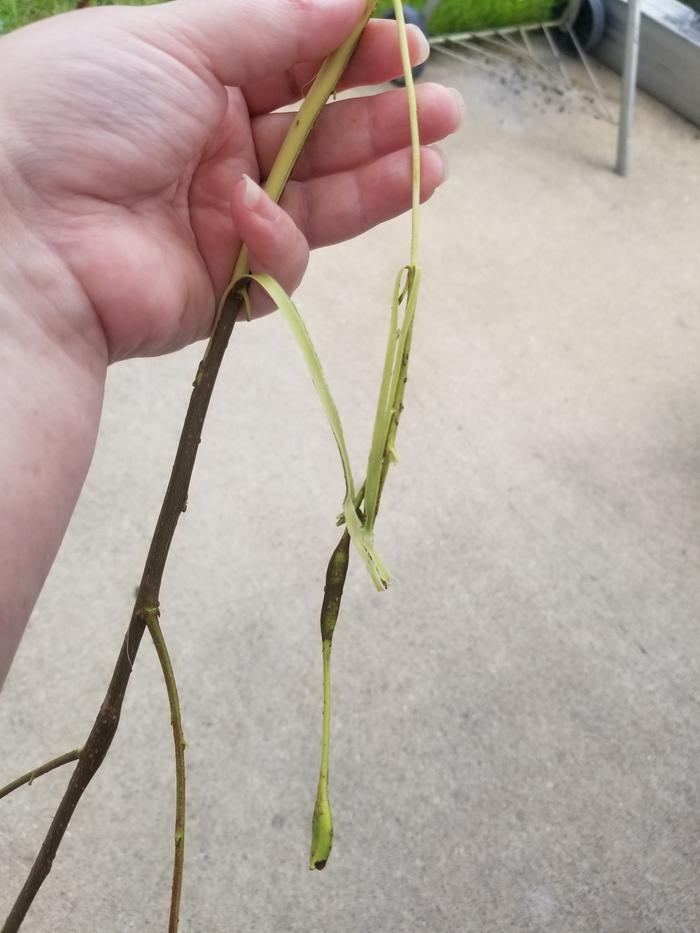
(29, 777)
(179, 739)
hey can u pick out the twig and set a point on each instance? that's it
(30, 776)
(175, 501)
(179, 739)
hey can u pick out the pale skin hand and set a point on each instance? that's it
(125, 134)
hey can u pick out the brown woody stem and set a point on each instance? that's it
(105, 726)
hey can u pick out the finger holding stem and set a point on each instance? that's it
(314, 102)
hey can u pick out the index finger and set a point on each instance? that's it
(240, 41)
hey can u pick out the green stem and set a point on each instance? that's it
(360, 535)
(29, 777)
(395, 375)
(151, 616)
(382, 417)
(389, 407)
(415, 134)
(400, 377)
(322, 823)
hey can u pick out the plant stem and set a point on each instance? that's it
(410, 289)
(415, 134)
(175, 501)
(179, 739)
(29, 777)
(105, 726)
(322, 823)
(389, 408)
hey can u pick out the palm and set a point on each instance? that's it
(144, 197)
(160, 244)
(136, 180)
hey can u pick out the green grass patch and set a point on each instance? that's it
(16, 13)
(474, 15)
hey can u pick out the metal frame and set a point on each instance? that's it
(629, 84)
(503, 39)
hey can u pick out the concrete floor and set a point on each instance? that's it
(516, 742)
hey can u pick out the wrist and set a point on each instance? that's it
(52, 370)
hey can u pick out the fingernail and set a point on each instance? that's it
(445, 163)
(257, 201)
(423, 44)
(459, 100)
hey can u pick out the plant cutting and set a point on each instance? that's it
(359, 507)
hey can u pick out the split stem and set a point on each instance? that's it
(389, 407)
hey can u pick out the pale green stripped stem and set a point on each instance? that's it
(389, 407)
(391, 394)
(322, 823)
(361, 536)
(359, 527)
(322, 820)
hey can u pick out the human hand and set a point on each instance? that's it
(127, 132)
(124, 135)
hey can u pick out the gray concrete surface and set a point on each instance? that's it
(516, 742)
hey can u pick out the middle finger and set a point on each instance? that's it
(354, 132)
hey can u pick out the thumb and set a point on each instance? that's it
(246, 40)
